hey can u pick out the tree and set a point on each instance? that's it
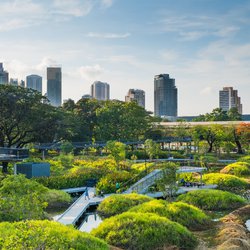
(218, 114)
(213, 134)
(117, 120)
(152, 148)
(85, 119)
(26, 117)
(167, 184)
(117, 150)
(234, 115)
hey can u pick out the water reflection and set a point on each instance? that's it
(91, 221)
(248, 225)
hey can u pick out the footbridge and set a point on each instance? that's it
(79, 207)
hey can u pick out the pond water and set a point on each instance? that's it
(248, 225)
(90, 221)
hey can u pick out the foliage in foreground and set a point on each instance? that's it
(119, 203)
(226, 181)
(144, 231)
(237, 168)
(24, 199)
(210, 199)
(183, 213)
(46, 235)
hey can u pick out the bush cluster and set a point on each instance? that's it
(237, 168)
(141, 154)
(77, 179)
(119, 203)
(144, 231)
(183, 213)
(226, 181)
(46, 235)
(210, 199)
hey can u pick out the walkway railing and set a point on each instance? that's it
(12, 154)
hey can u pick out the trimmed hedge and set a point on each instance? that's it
(119, 203)
(144, 231)
(226, 181)
(46, 235)
(237, 168)
(210, 199)
(183, 213)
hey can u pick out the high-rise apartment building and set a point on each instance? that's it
(4, 75)
(54, 86)
(136, 95)
(34, 82)
(100, 90)
(228, 98)
(165, 96)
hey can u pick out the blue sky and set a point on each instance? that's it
(203, 44)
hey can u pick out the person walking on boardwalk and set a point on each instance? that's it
(86, 192)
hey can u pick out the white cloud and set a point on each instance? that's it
(16, 14)
(75, 8)
(90, 72)
(107, 3)
(46, 62)
(108, 35)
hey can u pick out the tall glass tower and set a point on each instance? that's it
(100, 90)
(4, 75)
(165, 96)
(54, 86)
(34, 82)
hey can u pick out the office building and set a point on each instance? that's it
(14, 81)
(22, 83)
(54, 86)
(100, 90)
(34, 82)
(228, 98)
(165, 96)
(87, 96)
(4, 75)
(136, 95)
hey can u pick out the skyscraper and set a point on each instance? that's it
(165, 96)
(14, 81)
(229, 99)
(54, 85)
(137, 95)
(100, 90)
(4, 75)
(34, 82)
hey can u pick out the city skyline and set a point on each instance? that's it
(203, 45)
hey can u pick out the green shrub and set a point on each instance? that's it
(21, 199)
(225, 181)
(210, 199)
(77, 179)
(183, 213)
(119, 203)
(245, 159)
(107, 182)
(57, 198)
(144, 231)
(237, 168)
(46, 235)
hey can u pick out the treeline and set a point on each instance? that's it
(27, 117)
